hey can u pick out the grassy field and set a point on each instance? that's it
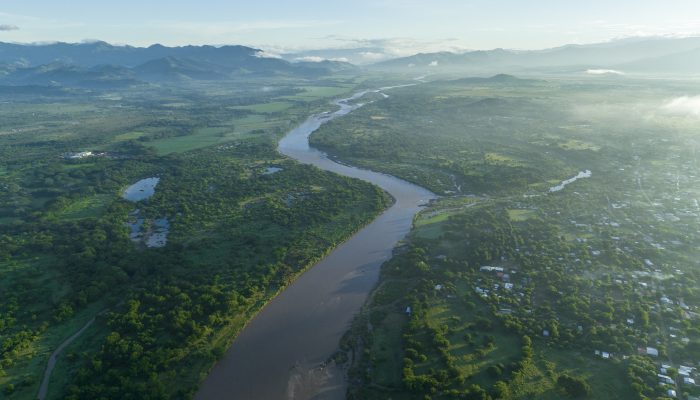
(239, 129)
(520, 215)
(128, 136)
(430, 224)
(266, 108)
(312, 93)
(88, 207)
(610, 381)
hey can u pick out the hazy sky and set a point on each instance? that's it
(398, 27)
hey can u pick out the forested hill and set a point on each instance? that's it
(102, 64)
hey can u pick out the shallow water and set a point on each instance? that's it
(155, 236)
(272, 170)
(562, 185)
(141, 190)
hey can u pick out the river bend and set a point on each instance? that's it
(281, 353)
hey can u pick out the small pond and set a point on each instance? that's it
(141, 190)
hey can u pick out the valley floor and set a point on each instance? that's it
(236, 223)
(514, 286)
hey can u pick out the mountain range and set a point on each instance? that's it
(636, 55)
(102, 65)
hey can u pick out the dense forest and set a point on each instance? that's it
(242, 223)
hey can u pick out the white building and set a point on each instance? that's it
(82, 154)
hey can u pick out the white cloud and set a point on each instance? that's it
(310, 59)
(320, 59)
(604, 72)
(687, 105)
(267, 54)
(8, 27)
(433, 64)
(402, 47)
(398, 46)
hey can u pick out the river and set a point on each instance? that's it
(281, 353)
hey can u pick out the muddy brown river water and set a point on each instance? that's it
(281, 353)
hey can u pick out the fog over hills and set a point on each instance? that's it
(649, 55)
(684, 62)
(100, 64)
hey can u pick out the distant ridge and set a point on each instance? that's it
(98, 53)
(686, 62)
(659, 55)
(100, 64)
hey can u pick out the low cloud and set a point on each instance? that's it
(310, 59)
(267, 54)
(364, 51)
(320, 59)
(381, 49)
(402, 46)
(604, 72)
(685, 105)
(8, 27)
